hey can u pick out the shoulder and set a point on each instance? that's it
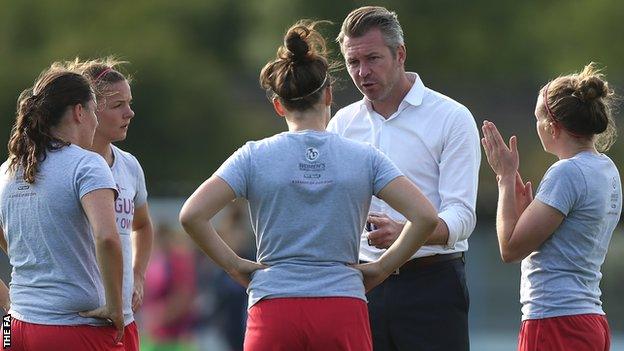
(348, 113)
(449, 107)
(125, 157)
(566, 168)
(4, 172)
(81, 156)
(265, 144)
(353, 146)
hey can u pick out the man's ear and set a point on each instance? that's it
(401, 53)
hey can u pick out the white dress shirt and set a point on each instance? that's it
(434, 141)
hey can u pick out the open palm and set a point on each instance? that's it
(503, 160)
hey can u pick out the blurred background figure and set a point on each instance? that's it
(168, 312)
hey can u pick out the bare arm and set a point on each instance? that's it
(142, 240)
(407, 199)
(98, 206)
(522, 223)
(519, 235)
(196, 214)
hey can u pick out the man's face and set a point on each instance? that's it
(371, 65)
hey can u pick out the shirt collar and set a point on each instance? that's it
(414, 96)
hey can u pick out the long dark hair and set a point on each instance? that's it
(38, 110)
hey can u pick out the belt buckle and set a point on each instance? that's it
(396, 272)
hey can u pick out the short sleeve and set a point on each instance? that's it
(562, 186)
(384, 170)
(140, 197)
(92, 174)
(236, 169)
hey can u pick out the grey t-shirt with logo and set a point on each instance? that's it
(562, 276)
(130, 180)
(50, 242)
(309, 193)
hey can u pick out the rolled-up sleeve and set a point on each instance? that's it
(459, 172)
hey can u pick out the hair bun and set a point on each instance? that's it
(296, 44)
(591, 88)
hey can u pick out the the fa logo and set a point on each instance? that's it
(311, 154)
(6, 331)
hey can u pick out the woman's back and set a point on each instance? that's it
(309, 194)
(50, 244)
(562, 277)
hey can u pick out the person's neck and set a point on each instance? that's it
(389, 105)
(68, 135)
(306, 120)
(570, 148)
(103, 147)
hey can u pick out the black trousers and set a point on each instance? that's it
(425, 309)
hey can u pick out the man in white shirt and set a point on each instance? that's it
(434, 141)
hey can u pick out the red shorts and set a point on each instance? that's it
(131, 337)
(313, 324)
(583, 332)
(35, 337)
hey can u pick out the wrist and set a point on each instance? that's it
(233, 265)
(384, 267)
(139, 277)
(506, 179)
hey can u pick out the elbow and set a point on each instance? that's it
(108, 240)
(189, 219)
(186, 218)
(508, 256)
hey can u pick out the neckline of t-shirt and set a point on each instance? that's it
(114, 154)
(589, 153)
(307, 131)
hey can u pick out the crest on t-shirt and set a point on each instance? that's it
(311, 154)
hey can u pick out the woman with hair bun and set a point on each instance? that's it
(57, 222)
(309, 192)
(562, 235)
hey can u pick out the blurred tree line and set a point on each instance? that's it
(195, 65)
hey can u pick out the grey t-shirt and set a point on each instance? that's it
(309, 194)
(130, 180)
(562, 276)
(50, 242)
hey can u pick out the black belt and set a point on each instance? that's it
(421, 262)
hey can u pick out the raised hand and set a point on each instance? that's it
(503, 160)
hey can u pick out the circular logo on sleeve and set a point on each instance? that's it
(311, 154)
